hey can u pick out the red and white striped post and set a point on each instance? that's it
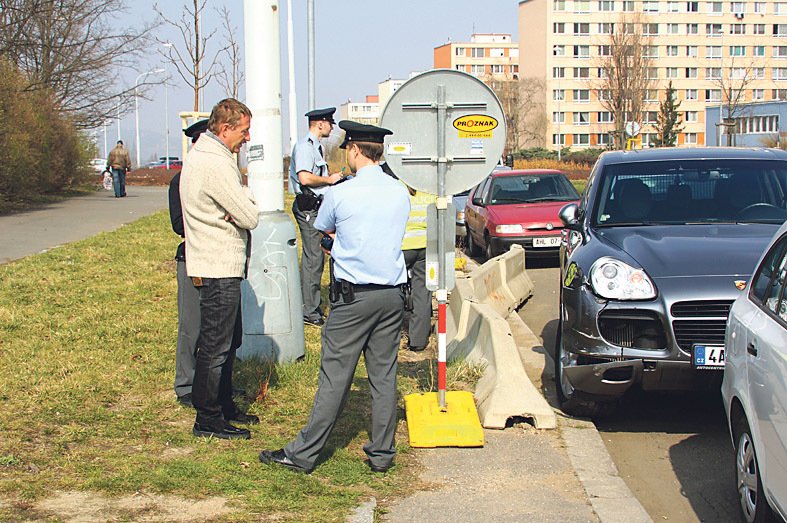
(442, 301)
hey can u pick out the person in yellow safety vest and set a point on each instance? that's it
(414, 250)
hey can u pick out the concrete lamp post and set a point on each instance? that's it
(136, 106)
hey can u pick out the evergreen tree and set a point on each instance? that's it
(668, 122)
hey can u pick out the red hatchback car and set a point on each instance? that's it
(519, 207)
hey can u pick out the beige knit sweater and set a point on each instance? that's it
(210, 189)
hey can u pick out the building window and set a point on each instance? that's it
(738, 29)
(559, 117)
(650, 6)
(582, 72)
(477, 52)
(672, 7)
(759, 50)
(582, 118)
(651, 95)
(650, 29)
(558, 139)
(559, 50)
(713, 73)
(713, 95)
(581, 139)
(691, 94)
(780, 73)
(692, 7)
(779, 29)
(738, 73)
(780, 8)
(652, 73)
(759, 7)
(477, 70)
(673, 29)
(713, 29)
(582, 95)
(559, 5)
(581, 29)
(606, 5)
(714, 8)
(581, 6)
(559, 28)
(651, 51)
(691, 139)
(604, 50)
(758, 29)
(737, 50)
(497, 52)
(558, 94)
(758, 94)
(650, 117)
(581, 51)
(604, 139)
(779, 94)
(692, 29)
(604, 95)
(780, 51)
(691, 51)
(601, 72)
(606, 28)
(691, 116)
(672, 50)
(628, 5)
(738, 7)
(558, 72)
(460, 67)
(460, 51)
(672, 72)
(605, 117)
(691, 72)
(757, 124)
(758, 73)
(713, 51)
(497, 69)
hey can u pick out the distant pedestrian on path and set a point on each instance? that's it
(218, 213)
(120, 163)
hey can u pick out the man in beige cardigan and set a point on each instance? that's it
(218, 212)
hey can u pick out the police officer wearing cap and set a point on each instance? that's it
(366, 215)
(308, 180)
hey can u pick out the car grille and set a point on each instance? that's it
(632, 329)
(706, 326)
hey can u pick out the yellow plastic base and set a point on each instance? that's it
(457, 426)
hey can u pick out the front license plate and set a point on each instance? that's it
(707, 357)
(547, 242)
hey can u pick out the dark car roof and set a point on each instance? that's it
(692, 153)
(519, 172)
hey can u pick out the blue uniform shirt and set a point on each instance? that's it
(306, 156)
(369, 214)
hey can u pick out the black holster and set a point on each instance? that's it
(408, 295)
(308, 200)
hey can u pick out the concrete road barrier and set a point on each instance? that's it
(477, 330)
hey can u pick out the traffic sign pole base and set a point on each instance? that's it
(429, 426)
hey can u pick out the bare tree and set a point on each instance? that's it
(732, 84)
(230, 77)
(624, 77)
(75, 49)
(524, 108)
(190, 61)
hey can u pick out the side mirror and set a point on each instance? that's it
(569, 215)
(478, 201)
(510, 160)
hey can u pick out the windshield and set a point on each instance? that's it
(692, 191)
(530, 188)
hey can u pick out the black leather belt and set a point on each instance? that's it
(372, 287)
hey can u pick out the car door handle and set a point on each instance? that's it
(751, 349)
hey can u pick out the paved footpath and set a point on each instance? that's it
(42, 228)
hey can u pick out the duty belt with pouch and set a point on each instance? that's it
(308, 200)
(347, 290)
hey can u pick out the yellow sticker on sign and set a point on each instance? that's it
(475, 126)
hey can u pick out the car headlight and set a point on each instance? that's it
(615, 280)
(509, 228)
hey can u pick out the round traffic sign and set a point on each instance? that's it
(444, 117)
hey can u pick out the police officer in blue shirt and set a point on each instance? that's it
(309, 179)
(366, 215)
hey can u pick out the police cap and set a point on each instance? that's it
(194, 130)
(359, 132)
(322, 114)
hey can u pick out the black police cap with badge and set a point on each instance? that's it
(359, 132)
(321, 114)
(194, 130)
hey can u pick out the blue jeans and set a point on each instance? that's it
(119, 182)
(219, 335)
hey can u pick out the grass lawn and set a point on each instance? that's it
(87, 348)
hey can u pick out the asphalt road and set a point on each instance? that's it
(47, 226)
(673, 451)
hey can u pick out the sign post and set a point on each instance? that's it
(449, 133)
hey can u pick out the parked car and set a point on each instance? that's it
(517, 207)
(755, 386)
(173, 164)
(98, 165)
(650, 263)
(459, 201)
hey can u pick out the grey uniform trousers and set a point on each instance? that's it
(312, 262)
(188, 332)
(419, 325)
(371, 325)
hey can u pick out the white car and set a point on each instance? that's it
(98, 165)
(755, 386)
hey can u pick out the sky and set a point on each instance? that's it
(358, 44)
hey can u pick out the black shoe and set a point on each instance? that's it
(379, 470)
(319, 322)
(227, 432)
(185, 400)
(280, 458)
(243, 418)
(238, 393)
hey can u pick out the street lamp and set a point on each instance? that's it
(136, 105)
(168, 46)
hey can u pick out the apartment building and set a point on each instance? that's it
(698, 45)
(486, 56)
(370, 110)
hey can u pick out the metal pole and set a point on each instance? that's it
(105, 141)
(442, 292)
(118, 121)
(167, 45)
(311, 36)
(293, 106)
(136, 107)
(559, 138)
